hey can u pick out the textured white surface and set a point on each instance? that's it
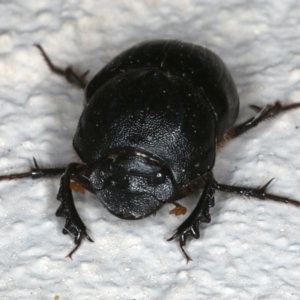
(250, 250)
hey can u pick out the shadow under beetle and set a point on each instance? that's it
(148, 135)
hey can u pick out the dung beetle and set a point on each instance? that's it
(152, 121)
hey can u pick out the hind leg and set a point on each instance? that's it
(265, 113)
(68, 73)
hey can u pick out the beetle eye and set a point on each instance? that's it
(158, 178)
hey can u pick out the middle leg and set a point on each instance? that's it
(258, 193)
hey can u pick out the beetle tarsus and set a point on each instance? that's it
(68, 73)
(78, 240)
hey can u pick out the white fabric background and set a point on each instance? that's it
(250, 250)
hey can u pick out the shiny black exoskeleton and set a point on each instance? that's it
(148, 134)
(150, 124)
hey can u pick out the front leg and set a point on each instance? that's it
(67, 209)
(190, 227)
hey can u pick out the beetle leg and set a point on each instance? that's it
(267, 112)
(68, 73)
(67, 209)
(259, 193)
(75, 172)
(190, 227)
(35, 173)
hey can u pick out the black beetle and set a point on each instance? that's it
(148, 135)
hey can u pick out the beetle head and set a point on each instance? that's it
(131, 184)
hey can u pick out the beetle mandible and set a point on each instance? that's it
(148, 134)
